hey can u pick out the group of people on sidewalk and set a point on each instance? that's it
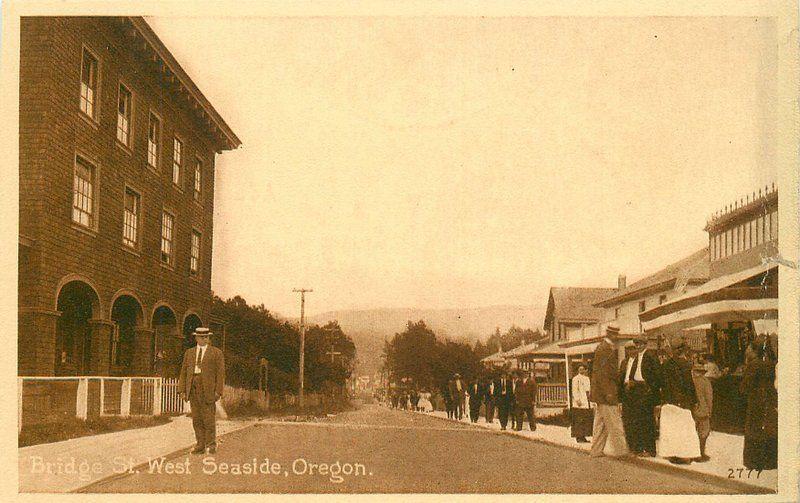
(661, 403)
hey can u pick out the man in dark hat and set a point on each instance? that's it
(641, 383)
(607, 425)
(504, 398)
(201, 381)
(525, 398)
(457, 390)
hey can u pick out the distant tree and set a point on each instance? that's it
(411, 354)
(252, 333)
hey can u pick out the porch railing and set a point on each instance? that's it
(551, 395)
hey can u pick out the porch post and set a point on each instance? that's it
(566, 374)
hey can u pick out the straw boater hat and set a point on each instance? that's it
(202, 331)
(612, 331)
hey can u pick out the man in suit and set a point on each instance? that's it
(504, 398)
(475, 391)
(457, 390)
(607, 425)
(201, 381)
(640, 380)
(488, 399)
(525, 397)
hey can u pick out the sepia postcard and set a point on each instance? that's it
(393, 250)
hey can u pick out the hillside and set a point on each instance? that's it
(369, 328)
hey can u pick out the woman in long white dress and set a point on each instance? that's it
(424, 402)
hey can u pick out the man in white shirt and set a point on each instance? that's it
(640, 395)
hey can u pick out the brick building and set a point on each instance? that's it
(117, 151)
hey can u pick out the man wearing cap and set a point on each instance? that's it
(201, 381)
(607, 425)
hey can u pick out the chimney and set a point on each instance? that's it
(621, 282)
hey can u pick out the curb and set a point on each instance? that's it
(633, 460)
(115, 476)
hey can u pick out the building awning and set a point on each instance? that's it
(495, 358)
(717, 301)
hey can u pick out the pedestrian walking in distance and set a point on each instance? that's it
(505, 399)
(201, 380)
(582, 414)
(526, 401)
(607, 427)
(489, 398)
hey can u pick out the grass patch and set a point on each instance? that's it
(74, 428)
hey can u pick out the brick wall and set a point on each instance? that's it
(53, 130)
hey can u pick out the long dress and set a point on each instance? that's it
(760, 427)
(677, 434)
(425, 402)
(582, 414)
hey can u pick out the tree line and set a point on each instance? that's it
(417, 356)
(253, 332)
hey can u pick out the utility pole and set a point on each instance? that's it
(302, 292)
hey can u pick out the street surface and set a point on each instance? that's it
(379, 450)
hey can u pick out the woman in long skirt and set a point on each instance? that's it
(760, 427)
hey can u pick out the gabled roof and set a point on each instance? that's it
(575, 303)
(694, 269)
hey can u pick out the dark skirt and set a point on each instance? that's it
(582, 421)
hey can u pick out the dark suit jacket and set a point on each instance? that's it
(212, 376)
(506, 394)
(526, 393)
(605, 375)
(678, 388)
(651, 373)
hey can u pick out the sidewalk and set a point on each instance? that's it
(78, 462)
(725, 451)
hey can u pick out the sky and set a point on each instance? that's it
(454, 162)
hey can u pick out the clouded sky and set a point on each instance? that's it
(462, 162)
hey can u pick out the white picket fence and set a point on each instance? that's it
(50, 399)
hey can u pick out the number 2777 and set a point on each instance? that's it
(742, 473)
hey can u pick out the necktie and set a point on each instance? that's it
(199, 357)
(633, 367)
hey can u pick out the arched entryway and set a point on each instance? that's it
(167, 342)
(190, 322)
(77, 302)
(125, 351)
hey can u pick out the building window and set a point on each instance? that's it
(198, 182)
(167, 233)
(130, 226)
(194, 263)
(88, 83)
(642, 306)
(177, 160)
(662, 299)
(153, 140)
(616, 313)
(124, 116)
(83, 196)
